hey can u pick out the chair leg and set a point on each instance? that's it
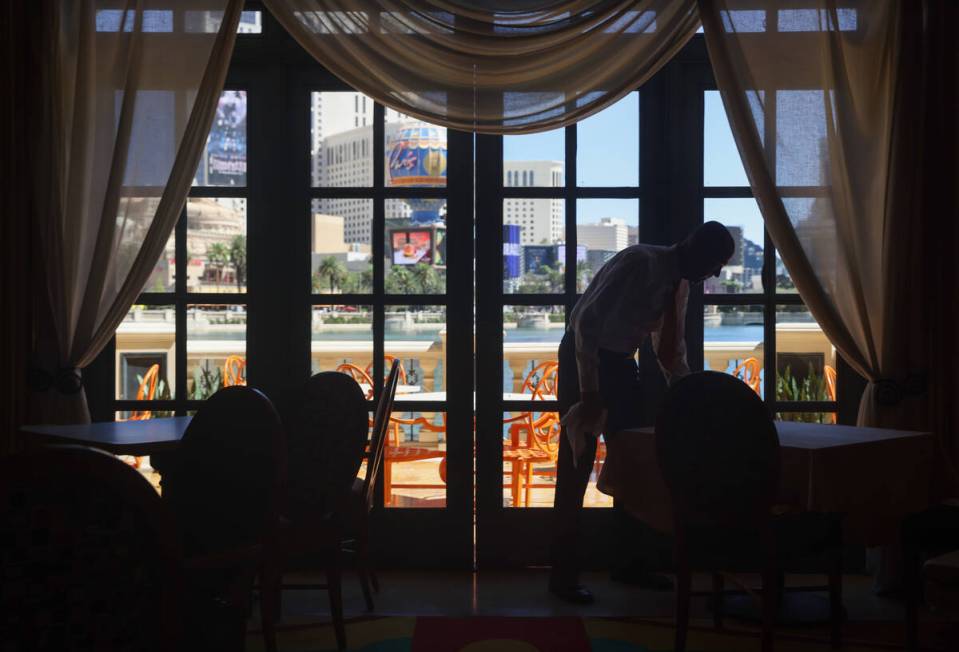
(363, 570)
(529, 484)
(683, 594)
(368, 576)
(835, 601)
(912, 588)
(388, 483)
(515, 483)
(334, 589)
(718, 600)
(270, 597)
(770, 606)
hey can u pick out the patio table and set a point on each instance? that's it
(441, 396)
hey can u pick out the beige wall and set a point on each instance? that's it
(328, 234)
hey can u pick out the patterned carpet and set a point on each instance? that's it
(494, 634)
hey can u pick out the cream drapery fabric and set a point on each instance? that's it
(129, 90)
(491, 67)
(828, 103)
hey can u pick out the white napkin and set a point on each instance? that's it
(578, 428)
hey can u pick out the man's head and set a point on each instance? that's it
(704, 252)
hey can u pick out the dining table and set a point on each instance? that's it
(139, 438)
(873, 477)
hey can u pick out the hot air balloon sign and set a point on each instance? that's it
(417, 159)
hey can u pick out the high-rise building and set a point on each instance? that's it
(609, 234)
(342, 157)
(540, 219)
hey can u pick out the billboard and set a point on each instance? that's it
(535, 256)
(412, 246)
(226, 146)
(511, 251)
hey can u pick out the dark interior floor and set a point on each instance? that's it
(523, 592)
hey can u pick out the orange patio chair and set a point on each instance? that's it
(541, 443)
(234, 371)
(394, 452)
(145, 392)
(749, 371)
(387, 363)
(830, 374)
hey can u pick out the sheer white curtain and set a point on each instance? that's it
(816, 95)
(503, 66)
(129, 90)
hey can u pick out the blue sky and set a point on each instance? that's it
(608, 155)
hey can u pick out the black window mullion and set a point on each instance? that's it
(569, 198)
(769, 259)
(181, 265)
(378, 246)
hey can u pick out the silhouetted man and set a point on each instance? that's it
(641, 292)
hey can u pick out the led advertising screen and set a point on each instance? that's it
(226, 147)
(412, 246)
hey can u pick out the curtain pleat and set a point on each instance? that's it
(491, 67)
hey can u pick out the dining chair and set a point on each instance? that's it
(362, 497)
(89, 556)
(225, 485)
(925, 535)
(326, 426)
(718, 452)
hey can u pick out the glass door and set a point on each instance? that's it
(552, 208)
(389, 219)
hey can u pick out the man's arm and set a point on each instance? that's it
(671, 347)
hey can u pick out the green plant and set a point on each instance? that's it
(812, 387)
(206, 381)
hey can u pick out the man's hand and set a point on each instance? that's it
(592, 406)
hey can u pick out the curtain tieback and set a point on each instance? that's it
(66, 380)
(890, 391)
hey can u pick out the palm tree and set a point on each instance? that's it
(217, 256)
(332, 269)
(426, 277)
(238, 260)
(400, 281)
(366, 280)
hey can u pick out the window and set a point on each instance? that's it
(570, 228)
(754, 324)
(186, 336)
(347, 236)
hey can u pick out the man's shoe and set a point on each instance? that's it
(572, 593)
(642, 578)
